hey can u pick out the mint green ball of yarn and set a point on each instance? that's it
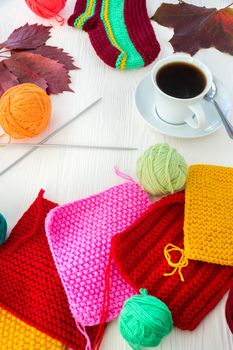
(161, 170)
(3, 229)
(144, 320)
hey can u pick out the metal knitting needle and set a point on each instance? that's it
(63, 145)
(34, 148)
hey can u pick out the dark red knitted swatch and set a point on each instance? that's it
(138, 253)
(30, 286)
(229, 309)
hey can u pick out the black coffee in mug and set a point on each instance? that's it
(181, 80)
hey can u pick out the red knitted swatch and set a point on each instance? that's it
(30, 286)
(229, 310)
(138, 253)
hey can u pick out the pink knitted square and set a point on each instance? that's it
(79, 236)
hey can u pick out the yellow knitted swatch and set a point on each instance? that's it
(208, 224)
(17, 335)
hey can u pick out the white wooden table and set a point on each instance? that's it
(67, 175)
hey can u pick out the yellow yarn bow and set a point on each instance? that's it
(183, 261)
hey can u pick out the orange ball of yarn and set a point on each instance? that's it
(46, 8)
(25, 111)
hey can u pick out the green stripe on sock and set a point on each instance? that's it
(89, 12)
(121, 37)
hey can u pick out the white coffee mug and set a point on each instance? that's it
(175, 110)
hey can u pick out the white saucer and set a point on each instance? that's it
(146, 105)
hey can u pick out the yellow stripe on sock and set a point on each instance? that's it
(111, 36)
(87, 14)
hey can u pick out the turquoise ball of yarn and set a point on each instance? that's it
(3, 229)
(144, 320)
(161, 170)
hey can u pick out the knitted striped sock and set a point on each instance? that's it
(120, 31)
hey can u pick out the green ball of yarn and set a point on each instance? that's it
(161, 170)
(3, 229)
(144, 320)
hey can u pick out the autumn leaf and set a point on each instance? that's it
(27, 37)
(53, 72)
(57, 55)
(7, 79)
(31, 61)
(24, 73)
(197, 27)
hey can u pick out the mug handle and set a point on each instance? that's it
(200, 119)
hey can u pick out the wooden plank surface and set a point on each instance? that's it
(67, 175)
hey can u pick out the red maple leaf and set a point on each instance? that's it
(197, 27)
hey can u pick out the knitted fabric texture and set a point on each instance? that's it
(120, 31)
(229, 310)
(208, 229)
(79, 236)
(17, 335)
(138, 253)
(30, 286)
